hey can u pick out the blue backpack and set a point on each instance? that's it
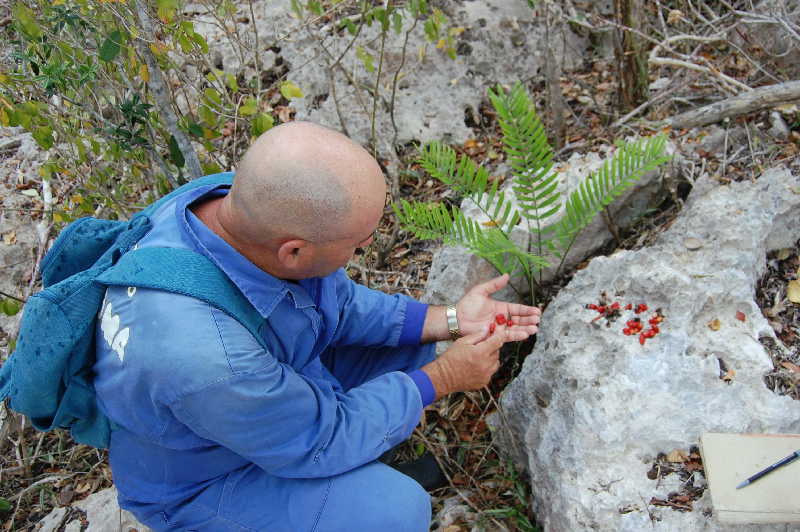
(49, 375)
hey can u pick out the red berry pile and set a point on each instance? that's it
(612, 311)
(501, 319)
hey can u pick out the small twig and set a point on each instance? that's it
(4, 294)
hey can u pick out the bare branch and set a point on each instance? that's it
(756, 99)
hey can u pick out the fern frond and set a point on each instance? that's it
(630, 162)
(471, 181)
(435, 221)
(529, 153)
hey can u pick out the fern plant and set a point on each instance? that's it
(553, 224)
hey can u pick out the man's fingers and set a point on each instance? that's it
(518, 334)
(523, 310)
(490, 287)
(496, 340)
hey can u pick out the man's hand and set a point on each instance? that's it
(469, 363)
(476, 309)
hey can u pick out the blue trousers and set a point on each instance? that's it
(373, 497)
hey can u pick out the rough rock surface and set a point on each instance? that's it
(591, 408)
(501, 42)
(100, 511)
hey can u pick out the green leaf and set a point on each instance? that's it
(365, 58)
(261, 123)
(397, 21)
(26, 21)
(9, 307)
(167, 9)
(5, 505)
(110, 47)
(44, 137)
(315, 6)
(249, 107)
(213, 96)
(196, 129)
(175, 153)
(297, 8)
(289, 90)
(350, 25)
(230, 81)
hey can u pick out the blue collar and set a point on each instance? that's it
(263, 290)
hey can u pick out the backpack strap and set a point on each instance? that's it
(184, 272)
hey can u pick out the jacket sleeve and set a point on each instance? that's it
(292, 425)
(372, 318)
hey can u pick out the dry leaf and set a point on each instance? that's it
(729, 375)
(714, 324)
(783, 254)
(490, 223)
(674, 16)
(9, 238)
(677, 456)
(740, 315)
(790, 366)
(793, 291)
(453, 528)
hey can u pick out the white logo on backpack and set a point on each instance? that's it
(117, 339)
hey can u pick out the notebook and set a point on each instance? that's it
(729, 459)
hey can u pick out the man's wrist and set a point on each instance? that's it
(435, 328)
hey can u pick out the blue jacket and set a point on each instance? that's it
(196, 396)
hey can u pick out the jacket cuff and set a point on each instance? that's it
(424, 385)
(411, 333)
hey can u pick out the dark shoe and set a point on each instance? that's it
(425, 470)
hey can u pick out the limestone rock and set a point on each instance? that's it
(52, 521)
(592, 408)
(501, 42)
(102, 513)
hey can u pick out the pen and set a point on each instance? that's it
(795, 455)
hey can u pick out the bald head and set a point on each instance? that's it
(301, 180)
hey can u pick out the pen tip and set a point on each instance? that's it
(743, 484)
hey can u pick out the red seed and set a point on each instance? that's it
(615, 305)
(642, 338)
(628, 306)
(500, 319)
(626, 331)
(492, 327)
(655, 329)
(601, 310)
(510, 323)
(591, 306)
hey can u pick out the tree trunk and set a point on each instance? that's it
(629, 54)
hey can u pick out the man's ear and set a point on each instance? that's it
(293, 252)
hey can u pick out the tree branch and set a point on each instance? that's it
(158, 87)
(754, 100)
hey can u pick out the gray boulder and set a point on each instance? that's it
(100, 511)
(592, 408)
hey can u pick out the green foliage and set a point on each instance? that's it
(516, 511)
(553, 223)
(84, 84)
(9, 306)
